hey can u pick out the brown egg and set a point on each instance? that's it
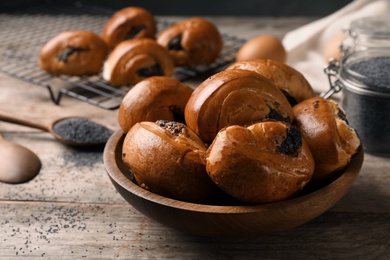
(262, 47)
(332, 48)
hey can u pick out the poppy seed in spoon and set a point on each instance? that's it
(82, 130)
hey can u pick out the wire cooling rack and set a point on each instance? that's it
(23, 33)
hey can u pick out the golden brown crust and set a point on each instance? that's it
(331, 141)
(265, 162)
(129, 23)
(134, 60)
(152, 99)
(234, 97)
(192, 41)
(168, 159)
(292, 83)
(74, 53)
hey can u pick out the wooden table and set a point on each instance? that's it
(72, 211)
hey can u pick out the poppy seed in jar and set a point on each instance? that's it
(374, 71)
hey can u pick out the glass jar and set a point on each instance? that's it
(363, 75)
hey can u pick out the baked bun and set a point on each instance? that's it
(292, 83)
(167, 158)
(152, 99)
(192, 41)
(234, 97)
(265, 162)
(134, 60)
(324, 127)
(129, 23)
(74, 53)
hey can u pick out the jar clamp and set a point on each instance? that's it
(365, 100)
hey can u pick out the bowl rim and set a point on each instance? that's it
(348, 176)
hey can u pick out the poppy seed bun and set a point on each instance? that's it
(129, 23)
(74, 53)
(234, 97)
(134, 60)
(324, 127)
(292, 83)
(265, 162)
(153, 99)
(192, 41)
(168, 159)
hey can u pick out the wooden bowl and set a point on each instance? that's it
(211, 220)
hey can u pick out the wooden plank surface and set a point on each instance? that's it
(72, 211)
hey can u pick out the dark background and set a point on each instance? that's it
(209, 7)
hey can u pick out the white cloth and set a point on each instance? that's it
(305, 45)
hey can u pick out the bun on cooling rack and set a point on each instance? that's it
(134, 60)
(74, 53)
(192, 41)
(324, 127)
(129, 23)
(292, 83)
(167, 158)
(152, 99)
(234, 97)
(265, 162)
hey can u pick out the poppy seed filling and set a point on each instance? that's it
(292, 142)
(175, 43)
(134, 31)
(68, 51)
(275, 115)
(173, 127)
(154, 70)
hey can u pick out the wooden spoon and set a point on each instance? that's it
(17, 163)
(73, 131)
